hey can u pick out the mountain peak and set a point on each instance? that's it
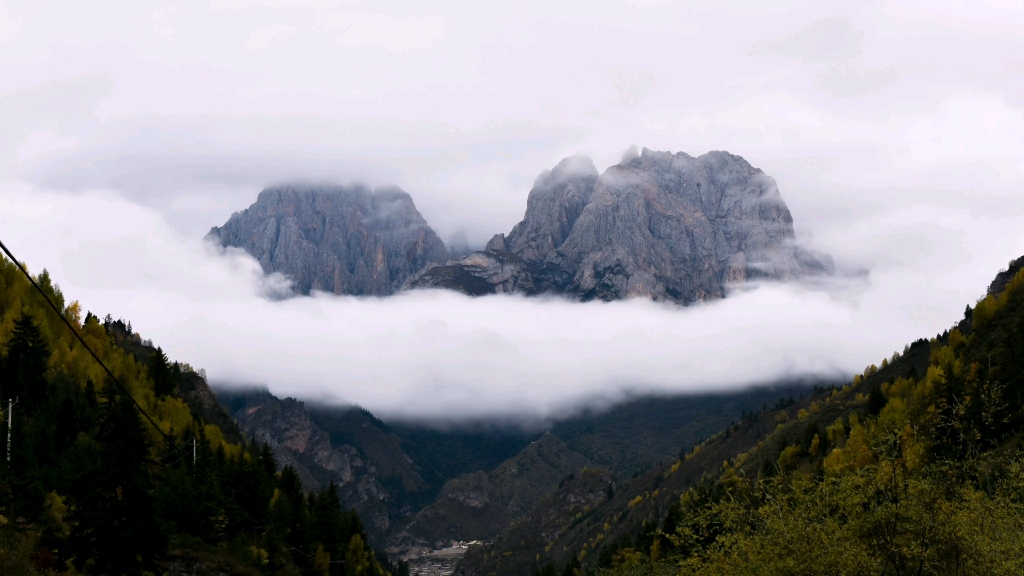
(341, 239)
(661, 225)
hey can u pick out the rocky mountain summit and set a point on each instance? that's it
(659, 225)
(346, 240)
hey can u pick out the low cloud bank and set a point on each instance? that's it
(441, 355)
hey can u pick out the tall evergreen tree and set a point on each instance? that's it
(327, 525)
(162, 374)
(26, 364)
(291, 517)
(115, 530)
(24, 381)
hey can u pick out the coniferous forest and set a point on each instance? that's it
(93, 483)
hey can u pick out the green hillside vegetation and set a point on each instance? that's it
(450, 452)
(554, 534)
(640, 433)
(914, 467)
(572, 504)
(88, 486)
(481, 506)
(408, 463)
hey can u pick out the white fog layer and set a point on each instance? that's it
(442, 354)
(895, 132)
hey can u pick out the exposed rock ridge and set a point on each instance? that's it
(659, 225)
(555, 203)
(345, 240)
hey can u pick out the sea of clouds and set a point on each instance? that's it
(894, 130)
(439, 354)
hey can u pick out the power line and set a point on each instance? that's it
(84, 345)
(180, 447)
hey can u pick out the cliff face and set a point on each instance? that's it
(660, 225)
(345, 240)
(555, 204)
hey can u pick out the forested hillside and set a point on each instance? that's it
(142, 473)
(914, 467)
(392, 473)
(639, 433)
(481, 506)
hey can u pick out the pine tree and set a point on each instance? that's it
(188, 496)
(290, 517)
(358, 561)
(160, 371)
(26, 364)
(115, 531)
(326, 524)
(24, 380)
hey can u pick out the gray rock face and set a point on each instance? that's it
(555, 204)
(661, 225)
(345, 240)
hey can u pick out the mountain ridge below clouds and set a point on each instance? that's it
(410, 482)
(659, 225)
(481, 506)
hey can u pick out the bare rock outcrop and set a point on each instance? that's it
(658, 225)
(345, 240)
(556, 202)
(1004, 277)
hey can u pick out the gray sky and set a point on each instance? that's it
(894, 129)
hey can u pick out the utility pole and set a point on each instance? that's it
(10, 421)
(193, 454)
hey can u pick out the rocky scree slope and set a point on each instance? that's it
(659, 225)
(345, 240)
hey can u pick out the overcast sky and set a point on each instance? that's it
(894, 129)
